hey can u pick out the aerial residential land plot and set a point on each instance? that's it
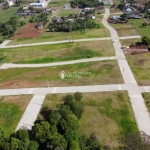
(57, 52)
(47, 36)
(137, 23)
(11, 111)
(66, 12)
(6, 14)
(140, 64)
(101, 72)
(108, 114)
(58, 3)
(125, 29)
(27, 31)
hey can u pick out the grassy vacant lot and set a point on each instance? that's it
(140, 65)
(47, 36)
(108, 114)
(102, 72)
(11, 111)
(6, 14)
(146, 97)
(115, 10)
(123, 29)
(58, 3)
(137, 23)
(128, 42)
(55, 53)
(66, 12)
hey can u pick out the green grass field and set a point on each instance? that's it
(6, 14)
(11, 111)
(58, 3)
(57, 52)
(122, 29)
(140, 65)
(137, 23)
(102, 72)
(128, 42)
(66, 12)
(146, 97)
(108, 114)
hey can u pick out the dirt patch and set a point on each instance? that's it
(22, 101)
(27, 31)
(125, 28)
(140, 62)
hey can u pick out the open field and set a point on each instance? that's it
(66, 12)
(128, 42)
(57, 52)
(140, 66)
(125, 29)
(137, 23)
(11, 111)
(146, 97)
(27, 31)
(56, 36)
(58, 3)
(115, 10)
(101, 72)
(6, 14)
(108, 114)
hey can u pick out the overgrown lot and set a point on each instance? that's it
(57, 52)
(101, 72)
(108, 114)
(11, 111)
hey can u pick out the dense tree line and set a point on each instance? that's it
(57, 130)
(8, 29)
(84, 3)
(68, 26)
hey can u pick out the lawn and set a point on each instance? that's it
(47, 36)
(128, 42)
(101, 72)
(140, 66)
(125, 29)
(146, 97)
(58, 3)
(6, 14)
(66, 12)
(137, 23)
(11, 111)
(108, 114)
(56, 53)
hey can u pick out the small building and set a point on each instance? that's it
(10, 3)
(129, 10)
(40, 26)
(93, 17)
(133, 16)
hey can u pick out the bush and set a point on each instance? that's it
(146, 40)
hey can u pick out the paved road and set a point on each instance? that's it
(69, 89)
(136, 99)
(10, 65)
(67, 41)
(145, 89)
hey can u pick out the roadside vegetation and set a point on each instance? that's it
(57, 52)
(11, 111)
(146, 97)
(101, 72)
